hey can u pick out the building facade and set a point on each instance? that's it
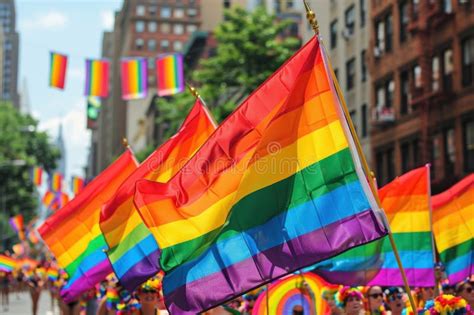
(10, 51)
(347, 42)
(421, 60)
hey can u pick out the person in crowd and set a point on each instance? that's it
(424, 295)
(448, 289)
(350, 300)
(328, 295)
(447, 305)
(5, 283)
(374, 297)
(465, 290)
(35, 284)
(394, 299)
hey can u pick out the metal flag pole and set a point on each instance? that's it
(196, 94)
(311, 17)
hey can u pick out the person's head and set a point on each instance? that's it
(328, 295)
(427, 293)
(448, 289)
(394, 298)
(374, 298)
(298, 310)
(350, 299)
(465, 290)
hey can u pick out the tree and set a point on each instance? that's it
(250, 47)
(21, 148)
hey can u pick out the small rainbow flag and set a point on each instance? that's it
(78, 184)
(7, 263)
(52, 274)
(170, 74)
(57, 73)
(97, 77)
(37, 176)
(134, 78)
(453, 229)
(55, 200)
(18, 226)
(56, 182)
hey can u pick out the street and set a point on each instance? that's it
(21, 305)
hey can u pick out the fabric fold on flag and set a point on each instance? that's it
(453, 229)
(277, 187)
(133, 252)
(73, 235)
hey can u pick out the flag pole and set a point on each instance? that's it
(196, 94)
(311, 17)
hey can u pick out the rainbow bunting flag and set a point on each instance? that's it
(78, 184)
(406, 201)
(133, 251)
(170, 74)
(277, 187)
(97, 77)
(73, 235)
(453, 229)
(57, 72)
(134, 73)
(37, 176)
(56, 182)
(18, 226)
(7, 264)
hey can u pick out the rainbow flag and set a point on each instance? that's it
(170, 74)
(97, 77)
(7, 264)
(133, 251)
(57, 72)
(73, 235)
(406, 201)
(55, 200)
(37, 176)
(18, 226)
(453, 229)
(277, 187)
(77, 184)
(134, 78)
(56, 182)
(53, 274)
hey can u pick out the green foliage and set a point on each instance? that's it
(21, 148)
(250, 48)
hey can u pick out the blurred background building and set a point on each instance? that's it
(9, 40)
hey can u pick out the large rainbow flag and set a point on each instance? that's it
(133, 251)
(277, 187)
(73, 234)
(134, 74)
(406, 201)
(57, 72)
(7, 264)
(18, 225)
(453, 229)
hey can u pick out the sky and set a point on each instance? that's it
(74, 28)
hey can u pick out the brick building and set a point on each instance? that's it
(421, 60)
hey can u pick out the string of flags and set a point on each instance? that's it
(133, 72)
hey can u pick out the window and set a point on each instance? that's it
(165, 12)
(177, 45)
(448, 68)
(363, 12)
(165, 44)
(140, 10)
(404, 20)
(468, 61)
(165, 28)
(417, 76)
(450, 151)
(363, 120)
(151, 63)
(152, 26)
(389, 93)
(404, 93)
(152, 9)
(178, 29)
(435, 73)
(363, 66)
(353, 115)
(139, 43)
(447, 6)
(179, 13)
(388, 32)
(139, 26)
(227, 4)
(333, 31)
(436, 156)
(405, 152)
(380, 97)
(350, 19)
(151, 45)
(390, 165)
(350, 74)
(415, 8)
(380, 36)
(191, 28)
(469, 146)
(192, 12)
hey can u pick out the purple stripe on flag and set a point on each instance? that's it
(417, 277)
(84, 283)
(88, 78)
(461, 275)
(141, 271)
(273, 263)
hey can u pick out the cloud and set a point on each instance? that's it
(51, 20)
(75, 134)
(108, 19)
